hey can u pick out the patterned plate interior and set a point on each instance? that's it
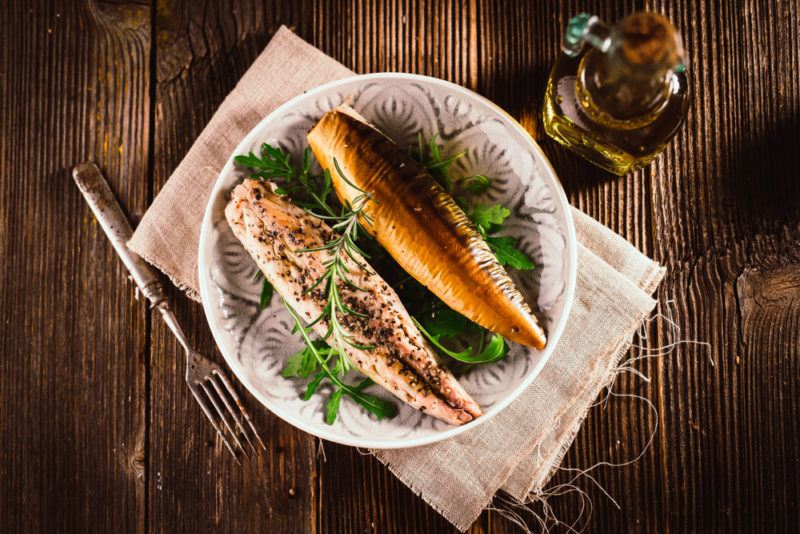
(256, 343)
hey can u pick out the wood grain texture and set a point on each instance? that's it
(98, 428)
(194, 484)
(73, 86)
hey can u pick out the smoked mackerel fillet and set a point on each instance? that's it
(421, 226)
(272, 229)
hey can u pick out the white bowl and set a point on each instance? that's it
(256, 343)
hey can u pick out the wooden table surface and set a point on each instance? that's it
(99, 432)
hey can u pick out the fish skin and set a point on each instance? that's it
(421, 226)
(272, 229)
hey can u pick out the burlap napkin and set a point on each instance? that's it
(519, 448)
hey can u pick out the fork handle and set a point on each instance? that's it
(104, 205)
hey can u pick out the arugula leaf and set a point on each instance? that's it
(381, 409)
(433, 147)
(326, 185)
(495, 350)
(312, 386)
(374, 405)
(310, 363)
(506, 251)
(332, 406)
(364, 384)
(429, 155)
(462, 356)
(489, 219)
(266, 294)
(444, 322)
(487, 215)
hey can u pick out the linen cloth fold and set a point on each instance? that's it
(519, 448)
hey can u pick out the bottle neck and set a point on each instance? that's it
(625, 77)
(610, 84)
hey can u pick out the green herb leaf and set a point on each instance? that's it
(444, 322)
(476, 184)
(276, 165)
(374, 405)
(326, 185)
(249, 160)
(312, 386)
(272, 164)
(364, 384)
(438, 163)
(506, 251)
(433, 147)
(380, 408)
(495, 350)
(294, 363)
(463, 203)
(310, 363)
(486, 215)
(434, 339)
(429, 155)
(266, 294)
(332, 406)
(303, 363)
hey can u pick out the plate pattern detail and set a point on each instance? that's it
(261, 340)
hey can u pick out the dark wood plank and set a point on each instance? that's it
(356, 493)
(689, 211)
(73, 86)
(720, 206)
(194, 485)
(685, 210)
(719, 209)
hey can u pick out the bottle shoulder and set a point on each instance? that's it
(567, 98)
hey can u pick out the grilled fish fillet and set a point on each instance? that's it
(421, 226)
(272, 229)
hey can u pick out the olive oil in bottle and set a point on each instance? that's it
(617, 95)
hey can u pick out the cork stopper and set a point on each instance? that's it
(650, 40)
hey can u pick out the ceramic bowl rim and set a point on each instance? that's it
(553, 336)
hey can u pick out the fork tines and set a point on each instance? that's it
(215, 388)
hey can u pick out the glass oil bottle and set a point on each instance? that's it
(617, 94)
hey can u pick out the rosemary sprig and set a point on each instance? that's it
(327, 359)
(310, 191)
(337, 273)
(380, 408)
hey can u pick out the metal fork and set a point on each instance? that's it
(206, 379)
